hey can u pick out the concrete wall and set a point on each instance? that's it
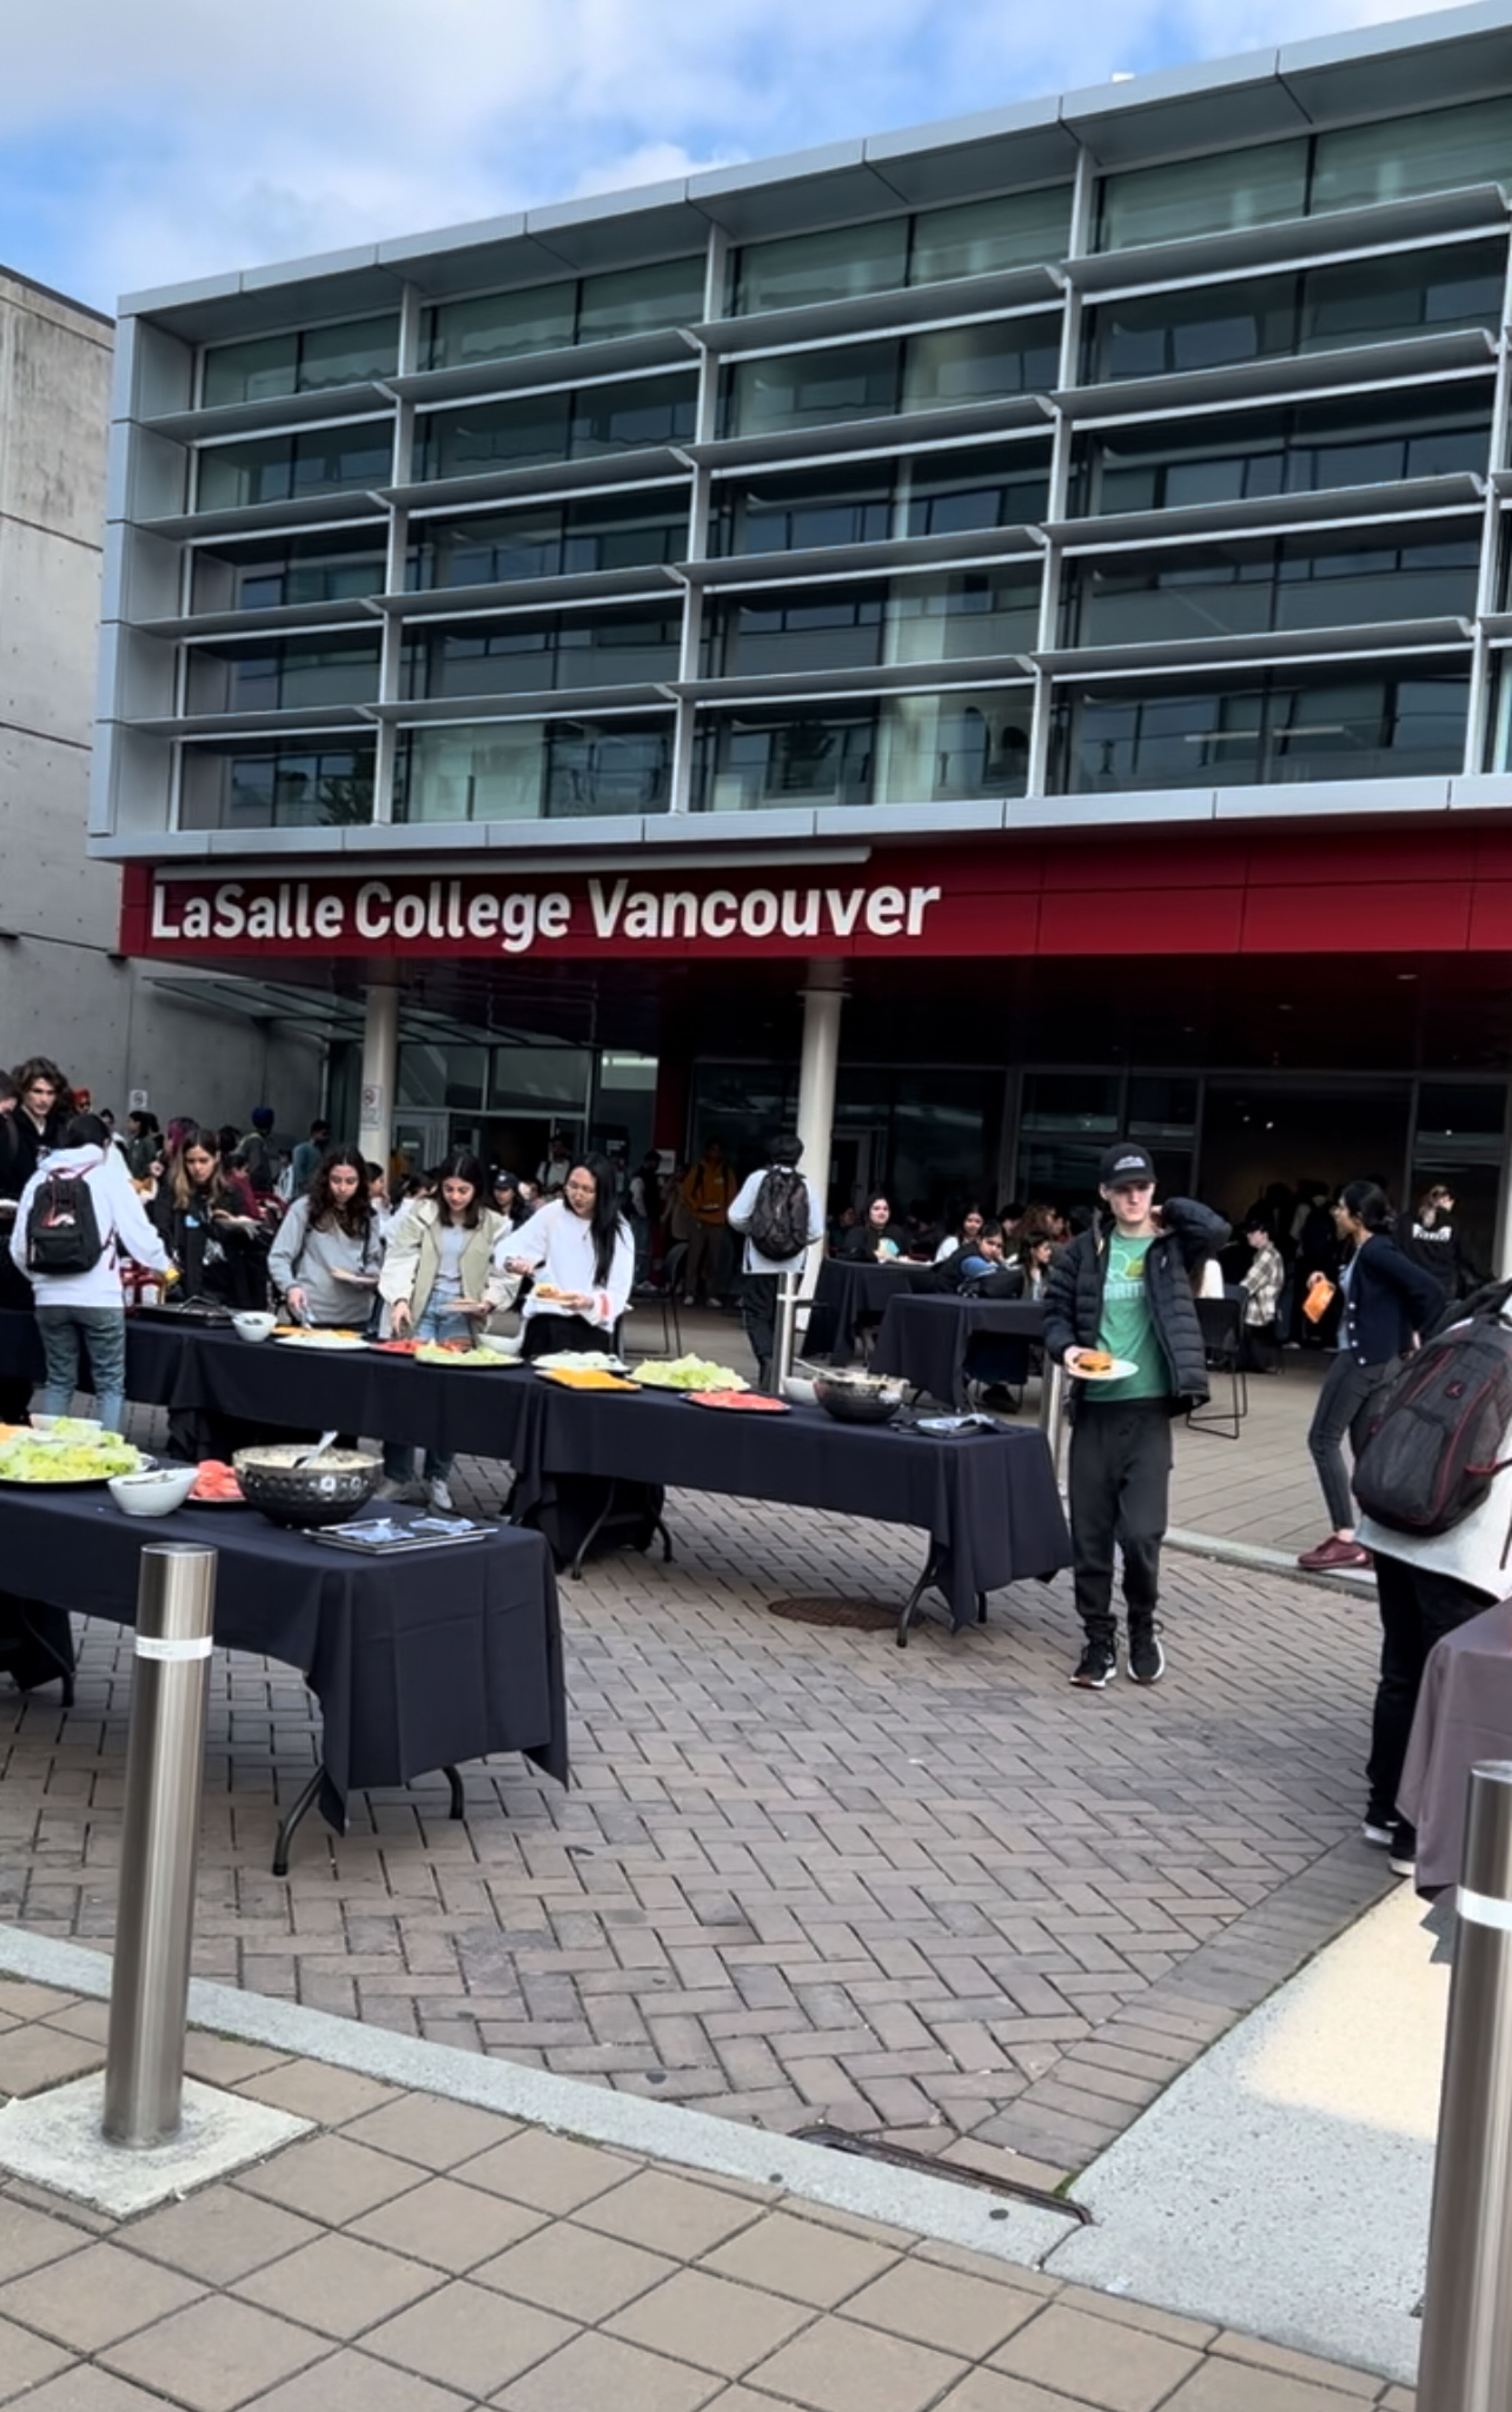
(61, 994)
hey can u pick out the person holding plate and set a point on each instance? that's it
(1120, 1296)
(440, 1279)
(329, 1246)
(581, 1251)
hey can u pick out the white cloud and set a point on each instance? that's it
(178, 137)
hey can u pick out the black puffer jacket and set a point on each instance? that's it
(1074, 1293)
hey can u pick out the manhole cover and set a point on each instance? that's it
(823, 1609)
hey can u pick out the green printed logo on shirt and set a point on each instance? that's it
(1127, 1329)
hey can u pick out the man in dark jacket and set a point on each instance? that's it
(1124, 1288)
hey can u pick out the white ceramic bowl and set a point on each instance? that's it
(252, 1326)
(501, 1343)
(156, 1492)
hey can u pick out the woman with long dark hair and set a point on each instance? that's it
(581, 1251)
(440, 1277)
(329, 1248)
(208, 1223)
(1388, 1301)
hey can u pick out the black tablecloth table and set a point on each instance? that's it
(1464, 1714)
(419, 1661)
(925, 1340)
(986, 1500)
(848, 1290)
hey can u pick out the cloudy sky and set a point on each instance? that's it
(142, 142)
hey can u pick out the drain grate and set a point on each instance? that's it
(898, 2157)
(825, 1608)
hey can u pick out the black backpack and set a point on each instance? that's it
(1434, 1435)
(779, 1223)
(63, 1233)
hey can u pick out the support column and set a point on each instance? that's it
(824, 994)
(380, 1071)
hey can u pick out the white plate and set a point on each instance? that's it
(322, 1344)
(1119, 1371)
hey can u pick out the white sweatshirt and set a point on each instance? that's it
(124, 1228)
(560, 1246)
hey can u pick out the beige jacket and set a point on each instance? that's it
(413, 1257)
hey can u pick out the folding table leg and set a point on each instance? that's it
(929, 1576)
(307, 1799)
(459, 1798)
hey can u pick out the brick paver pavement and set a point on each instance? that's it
(801, 1876)
(415, 2254)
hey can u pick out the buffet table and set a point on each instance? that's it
(1464, 1714)
(986, 1500)
(849, 1290)
(924, 1340)
(419, 1662)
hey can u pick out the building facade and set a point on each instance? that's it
(67, 989)
(1040, 577)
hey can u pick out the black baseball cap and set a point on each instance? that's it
(1125, 1162)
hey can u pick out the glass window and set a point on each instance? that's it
(1275, 729)
(1005, 487)
(832, 628)
(301, 363)
(966, 616)
(1081, 1102)
(602, 532)
(648, 410)
(974, 238)
(233, 475)
(484, 435)
(1197, 196)
(953, 364)
(808, 507)
(1245, 588)
(1356, 166)
(773, 757)
(637, 301)
(804, 268)
(534, 770)
(258, 371)
(945, 748)
(1423, 292)
(325, 566)
(1149, 334)
(273, 788)
(461, 773)
(288, 675)
(364, 347)
(610, 767)
(1358, 302)
(812, 388)
(527, 656)
(328, 458)
(619, 649)
(500, 326)
(1367, 439)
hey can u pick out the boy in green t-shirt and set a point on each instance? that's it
(1124, 1289)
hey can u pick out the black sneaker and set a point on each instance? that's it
(1096, 1666)
(1403, 1859)
(1147, 1660)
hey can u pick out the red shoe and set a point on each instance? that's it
(1331, 1554)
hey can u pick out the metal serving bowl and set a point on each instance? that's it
(858, 1398)
(325, 1490)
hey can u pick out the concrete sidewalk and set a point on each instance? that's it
(423, 2252)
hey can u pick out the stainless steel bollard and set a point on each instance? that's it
(160, 1843)
(1465, 2364)
(788, 1287)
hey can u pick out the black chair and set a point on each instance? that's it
(1222, 1322)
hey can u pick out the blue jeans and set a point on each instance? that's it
(104, 1330)
(398, 1456)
